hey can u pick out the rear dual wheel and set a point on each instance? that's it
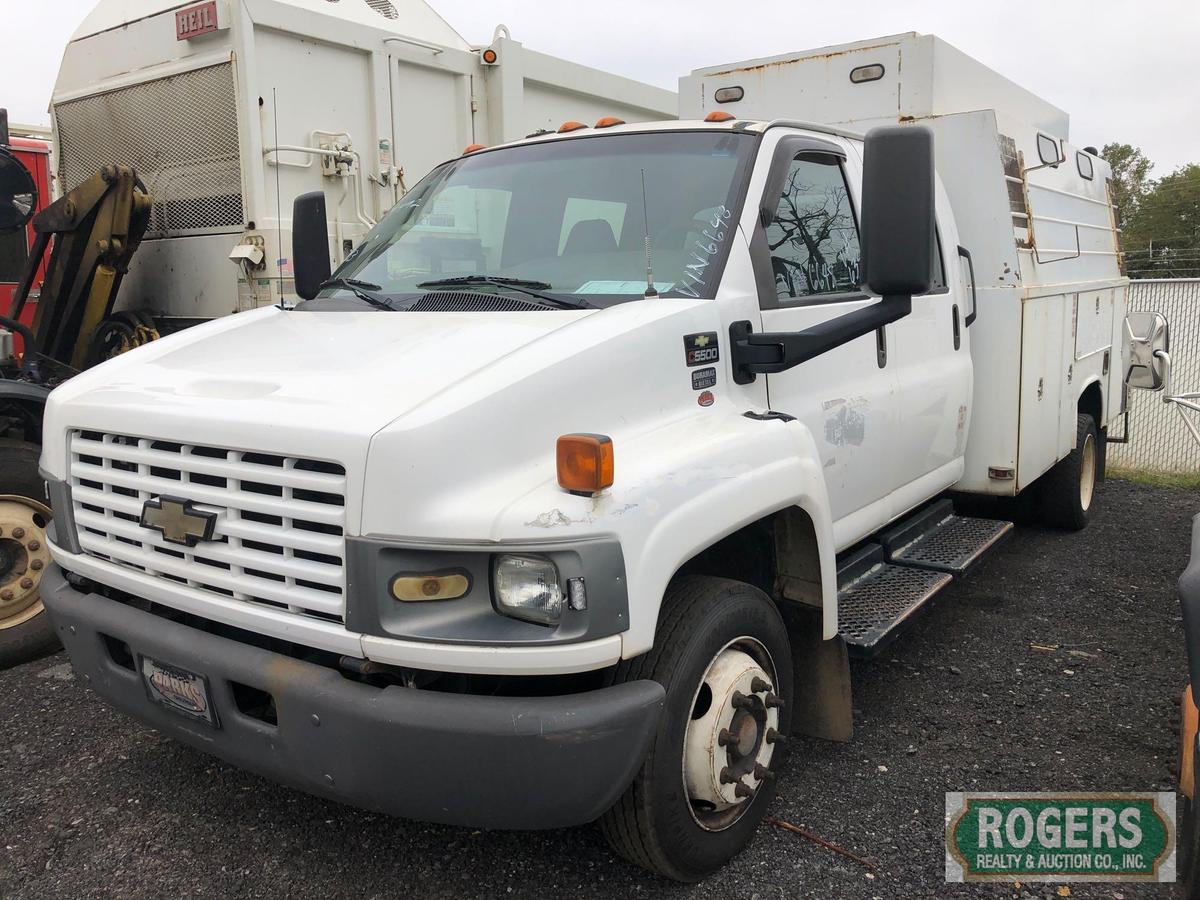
(723, 656)
(25, 629)
(1068, 489)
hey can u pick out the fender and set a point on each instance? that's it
(27, 394)
(24, 392)
(777, 467)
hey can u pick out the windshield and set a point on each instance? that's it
(569, 215)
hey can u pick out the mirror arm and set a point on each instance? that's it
(771, 352)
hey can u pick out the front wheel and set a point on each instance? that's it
(723, 656)
(25, 629)
(1068, 489)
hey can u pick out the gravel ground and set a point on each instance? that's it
(94, 804)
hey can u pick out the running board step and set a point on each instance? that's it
(937, 539)
(876, 599)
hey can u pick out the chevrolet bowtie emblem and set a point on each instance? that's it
(701, 340)
(178, 520)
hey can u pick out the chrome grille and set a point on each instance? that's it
(180, 134)
(279, 539)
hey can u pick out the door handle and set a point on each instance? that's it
(957, 331)
(881, 346)
(966, 254)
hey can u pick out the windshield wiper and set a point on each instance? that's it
(363, 290)
(524, 285)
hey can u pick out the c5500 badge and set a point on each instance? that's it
(701, 349)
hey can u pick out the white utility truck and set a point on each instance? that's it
(228, 109)
(568, 494)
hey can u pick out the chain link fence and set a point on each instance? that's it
(1158, 440)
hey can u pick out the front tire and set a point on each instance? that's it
(1069, 489)
(722, 654)
(25, 629)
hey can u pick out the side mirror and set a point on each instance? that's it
(18, 194)
(1146, 336)
(898, 240)
(310, 243)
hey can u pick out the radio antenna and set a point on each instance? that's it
(650, 291)
(278, 199)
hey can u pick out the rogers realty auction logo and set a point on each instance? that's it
(1060, 837)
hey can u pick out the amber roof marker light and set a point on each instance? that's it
(586, 463)
(572, 125)
(609, 122)
(719, 115)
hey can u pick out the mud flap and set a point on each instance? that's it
(822, 678)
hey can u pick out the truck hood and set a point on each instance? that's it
(273, 378)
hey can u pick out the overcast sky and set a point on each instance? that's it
(1125, 71)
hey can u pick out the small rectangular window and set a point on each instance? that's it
(813, 238)
(1048, 150)
(1084, 162)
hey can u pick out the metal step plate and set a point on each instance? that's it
(939, 540)
(880, 599)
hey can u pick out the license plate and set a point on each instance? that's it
(178, 689)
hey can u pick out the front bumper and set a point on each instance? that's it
(490, 762)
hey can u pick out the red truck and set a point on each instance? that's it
(34, 155)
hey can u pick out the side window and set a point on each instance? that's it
(813, 238)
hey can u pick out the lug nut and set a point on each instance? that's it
(18, 532)
(743, 790)
(727, 777)
(762, 773)
(760, 686)
(726, 738)
(34, 545)
(774, 700)
(36, 565)
(740, 701)
(774, 737)
(27, 583)
(6, 595)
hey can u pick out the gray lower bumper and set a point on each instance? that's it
(490, 762)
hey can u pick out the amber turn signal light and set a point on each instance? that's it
(719, 116)
(585, 463)
(434, 586)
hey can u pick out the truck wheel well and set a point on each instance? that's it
(1091, 402)
(747, 555)
(776, 554)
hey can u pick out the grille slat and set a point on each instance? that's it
(250, 585)
(279, 536)
(206, 465)
(245, 529)
(214, 550)
(327, 514)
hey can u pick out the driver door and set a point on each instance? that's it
(807, 262)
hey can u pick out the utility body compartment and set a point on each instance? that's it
(1042, 236)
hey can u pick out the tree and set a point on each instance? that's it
(1131, 176)
(1162, 238)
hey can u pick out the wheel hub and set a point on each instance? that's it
(24, 556)
(1087, 473)
(730, 739)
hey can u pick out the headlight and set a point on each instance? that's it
(527, 587)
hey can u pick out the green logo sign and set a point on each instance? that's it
(1060, 837)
